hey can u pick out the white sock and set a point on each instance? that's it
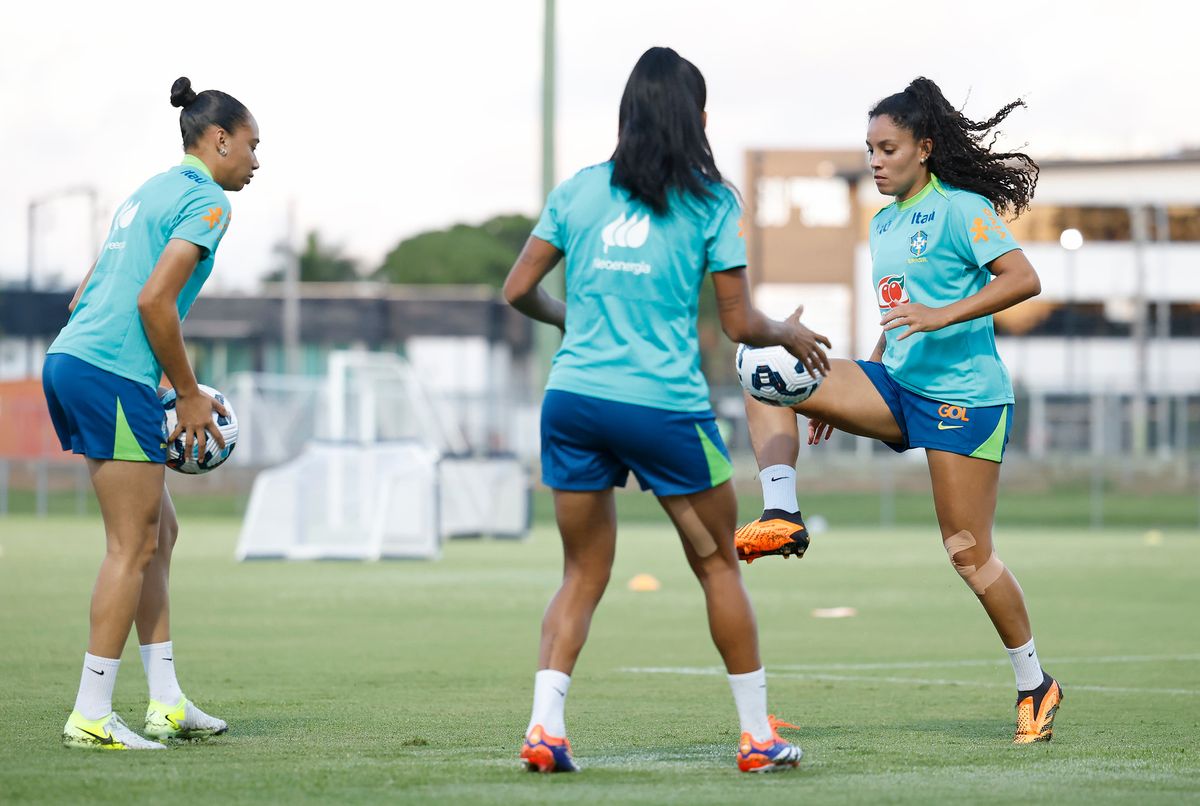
(779, 488)
(1026, 666)
(750, 696)
(549, 694)
(159, 662)
(96, 683)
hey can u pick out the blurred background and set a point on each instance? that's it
(405, 154)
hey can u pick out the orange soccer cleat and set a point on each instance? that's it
(1036, 710)
(776, 532)
(545, 753)
(770, 755)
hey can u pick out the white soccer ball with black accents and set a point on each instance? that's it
(214, 456)
(774, 376)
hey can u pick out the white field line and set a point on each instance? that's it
(821, 672)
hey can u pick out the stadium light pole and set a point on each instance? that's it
(1139, 223)
(291, 296)
(1162, 234)
(31, 241)
(1070, 240)
(546, 337)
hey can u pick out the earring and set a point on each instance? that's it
(922, 158)
(225, 153)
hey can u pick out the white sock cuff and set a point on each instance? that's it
(757, 676)
(1027, 668)
(155, 647)
(779, 488)
(1025, 647)
(553, 677)
(103, 663)
(774, 472)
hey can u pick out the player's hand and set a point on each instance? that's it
(916, 317)
(194, 420)
(818, 430)
(806, 345)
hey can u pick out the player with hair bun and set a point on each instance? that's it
(101, 380)
(943, 264)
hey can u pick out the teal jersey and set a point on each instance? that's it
(105, 329)
(633, 288)
(933, 249)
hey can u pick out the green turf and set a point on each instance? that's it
(410, 681)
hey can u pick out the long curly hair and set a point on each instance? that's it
(960, 157)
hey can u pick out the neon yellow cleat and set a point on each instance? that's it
(181, 721)
(106, 733)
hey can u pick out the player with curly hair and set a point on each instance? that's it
(943, 264)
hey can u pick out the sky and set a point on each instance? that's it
(383, 120)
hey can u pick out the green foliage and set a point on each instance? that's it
(464, 253)
(321, 262)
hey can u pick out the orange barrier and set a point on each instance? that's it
(25, 428)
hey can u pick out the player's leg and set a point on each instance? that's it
(587, 522)
(849, 400)
(705, 522)
(130, 496)
(965, 490)
(169, 715)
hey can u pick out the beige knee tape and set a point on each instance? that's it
(690, 525)
(977, 579)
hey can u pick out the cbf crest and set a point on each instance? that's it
(918, 243)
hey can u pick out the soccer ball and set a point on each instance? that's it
(774, 376)
(213, 456)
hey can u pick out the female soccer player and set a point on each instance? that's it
(943, 264)
(625, 392)
(101, 382)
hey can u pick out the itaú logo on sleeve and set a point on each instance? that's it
(630, 232)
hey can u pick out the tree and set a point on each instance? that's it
(463, 253)
(320, 263)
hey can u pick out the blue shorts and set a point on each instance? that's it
(981, 432)
(591, 444)
(102, 415)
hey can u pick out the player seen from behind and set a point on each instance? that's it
(625, 393)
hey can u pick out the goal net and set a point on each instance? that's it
(389, 472)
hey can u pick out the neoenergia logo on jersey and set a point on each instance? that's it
(122, 220)
(629, 232)
(127, 213)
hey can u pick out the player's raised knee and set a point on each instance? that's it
(978, 577)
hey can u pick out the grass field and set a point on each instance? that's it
(411, 681)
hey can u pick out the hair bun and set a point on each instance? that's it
(182, 93)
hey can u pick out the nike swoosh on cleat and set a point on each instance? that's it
(93, 671)
(101, 739)
(943, 427)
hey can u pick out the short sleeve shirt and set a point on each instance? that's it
(105, 329)
(633, 281)
(934, 249)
